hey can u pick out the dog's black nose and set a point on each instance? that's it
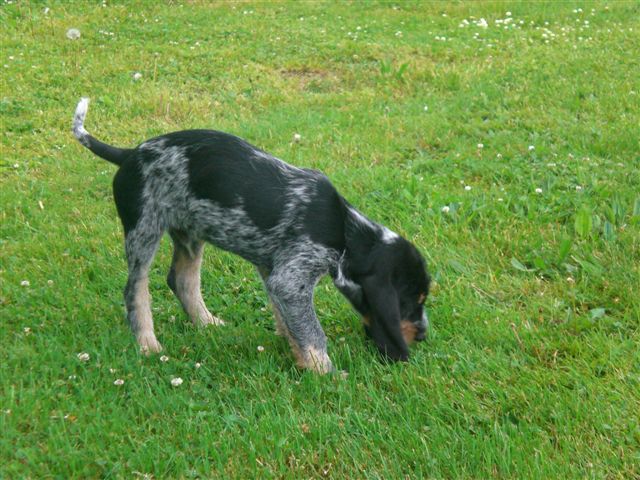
(420, 336)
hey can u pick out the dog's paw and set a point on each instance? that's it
(149, 344)
(317, 361)
(209, 319)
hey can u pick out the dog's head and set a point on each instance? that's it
(388, 286)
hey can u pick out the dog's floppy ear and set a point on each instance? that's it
(384, 322)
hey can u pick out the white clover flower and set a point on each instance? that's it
(578, 188)
(538, 190)
(198, 365)
(73, 34)
(499, 155)
(164, 358)
(481, 146)
(46, 10)
(445, 209)
(467, 187)
(83, 356)
(482, 23)
(500, 199)
(176, 382)
(398, 33)
(49, 282)
(297, 137)
(508, 14)
(27, 330)
(25, 283)
(119, 382)
(260, 348)
(426, 108)
(137, 76)
(531, 148)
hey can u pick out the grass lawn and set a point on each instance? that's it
(501, 137)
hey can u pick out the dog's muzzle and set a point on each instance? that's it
(422, 327)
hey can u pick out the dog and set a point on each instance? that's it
(291, 223)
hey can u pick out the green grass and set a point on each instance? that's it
(532, 368)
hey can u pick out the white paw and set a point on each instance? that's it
(318, 361)
(208, 319)
(148, 343)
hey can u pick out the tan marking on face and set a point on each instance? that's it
(366, 321)
(422, 298)
(408, 330)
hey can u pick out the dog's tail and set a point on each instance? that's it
(112, 154)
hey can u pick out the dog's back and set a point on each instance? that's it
(223, 190)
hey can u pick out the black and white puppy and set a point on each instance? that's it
(291, 223)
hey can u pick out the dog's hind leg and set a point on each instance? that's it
(184, 278)
(141, 244)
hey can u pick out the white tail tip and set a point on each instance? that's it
(78, 119)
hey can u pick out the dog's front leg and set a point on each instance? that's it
(281, 329)
(291, 291)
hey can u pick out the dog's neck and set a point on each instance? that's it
(361, 236)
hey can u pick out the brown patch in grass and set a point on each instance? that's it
(308, 77)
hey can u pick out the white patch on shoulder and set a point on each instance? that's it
(389, 236)
(361, 218)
